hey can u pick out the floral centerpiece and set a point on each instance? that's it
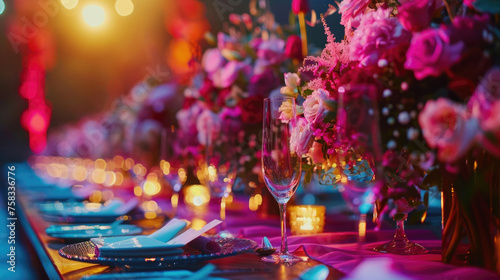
(432, 63)
(242, 66)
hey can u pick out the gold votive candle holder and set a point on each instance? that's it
(306, 219)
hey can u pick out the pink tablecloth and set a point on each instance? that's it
(339, 250)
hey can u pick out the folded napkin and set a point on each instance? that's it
(166, 241)
(142, 245)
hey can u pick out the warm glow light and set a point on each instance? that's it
(307, 219)
(197, 195)
(197, 223)
(150, 215)
(99, 176)
(94, 15)
(2, 7)
(124, 7)
(69, 4)
(100, 163)
(175, 200)
(95, 197)
(138, 191)
(119, 178)
(252, 205)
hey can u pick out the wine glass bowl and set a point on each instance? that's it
(281, 165)
(358, 152)
(221, 163)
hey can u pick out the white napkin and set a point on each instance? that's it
(150, 245)
(164, 241)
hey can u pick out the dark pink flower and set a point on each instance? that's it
(262, 84)
(300, 6)
(431, 53)
(293, 48)
(416, 15)
(469, 29)
(377, 33)
(271, 52)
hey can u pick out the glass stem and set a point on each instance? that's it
(223, 213)
(284, 242)
(361, 234)
(400, 230)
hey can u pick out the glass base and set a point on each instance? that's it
(283, 258)
(401, 247)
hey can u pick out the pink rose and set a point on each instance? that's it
(314, 108)
(416, 15)
(486, 93)
(350, 9)
(431, 53)
(212, 60)
(377, 33)
(447, 126)
(302, 137)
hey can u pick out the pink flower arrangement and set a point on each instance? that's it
(408, 53)
(377, 33)
(241, 69)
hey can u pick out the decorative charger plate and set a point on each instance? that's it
(86, 252)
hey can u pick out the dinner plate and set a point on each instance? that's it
(86, 252)
(85, 232)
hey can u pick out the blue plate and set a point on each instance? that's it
(76, 233)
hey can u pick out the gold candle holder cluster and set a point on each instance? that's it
(306, 219)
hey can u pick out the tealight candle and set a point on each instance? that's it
(306, 219)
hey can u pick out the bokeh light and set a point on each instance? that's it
(124, 7)
(94, 15)
(69, 4)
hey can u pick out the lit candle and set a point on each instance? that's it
(306, 219)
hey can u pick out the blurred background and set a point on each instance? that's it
(86, 53)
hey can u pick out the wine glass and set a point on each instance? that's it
(359, 152)
(173, 163)
(221, 163)
(281, 166)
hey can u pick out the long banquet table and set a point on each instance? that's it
(337, 249)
